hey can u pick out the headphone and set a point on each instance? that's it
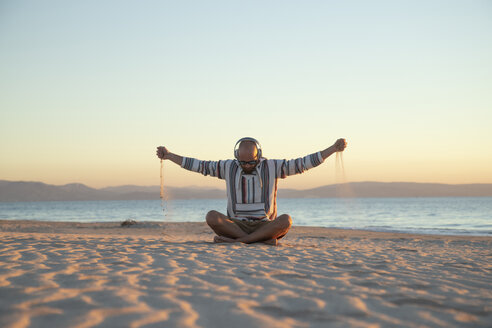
(258, 146)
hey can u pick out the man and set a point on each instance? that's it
(251, 182)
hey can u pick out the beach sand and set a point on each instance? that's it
(172, 275)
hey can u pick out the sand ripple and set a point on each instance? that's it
(312, 280)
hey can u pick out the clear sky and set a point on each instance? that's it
(88, 89)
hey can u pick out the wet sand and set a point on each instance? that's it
(172, 275)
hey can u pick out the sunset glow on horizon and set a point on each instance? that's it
(88, 90)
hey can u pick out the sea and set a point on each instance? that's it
(440, 215)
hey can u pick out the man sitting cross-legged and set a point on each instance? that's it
(251, 182)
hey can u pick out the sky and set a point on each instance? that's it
(89, 89)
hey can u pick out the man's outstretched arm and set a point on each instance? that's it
(163, 153)
(211, 168)
(286, 168)
(339, 145)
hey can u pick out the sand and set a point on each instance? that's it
(171, 275)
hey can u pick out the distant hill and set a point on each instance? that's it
(391, 189)
(12, 191)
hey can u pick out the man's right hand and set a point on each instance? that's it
(340, 144)
(162, 152)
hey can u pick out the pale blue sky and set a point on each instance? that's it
(88, 89)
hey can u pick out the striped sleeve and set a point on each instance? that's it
(284, 168)
(212, 168)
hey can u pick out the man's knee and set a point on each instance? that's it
(212, 218)
(285, 221)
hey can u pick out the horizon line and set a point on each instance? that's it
(218, 188)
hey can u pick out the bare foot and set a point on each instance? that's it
(272, 242)
(222, 239)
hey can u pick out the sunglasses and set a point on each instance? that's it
(247, 163)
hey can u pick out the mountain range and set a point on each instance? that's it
(13, 191)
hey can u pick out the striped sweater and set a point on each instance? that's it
(252, 196)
